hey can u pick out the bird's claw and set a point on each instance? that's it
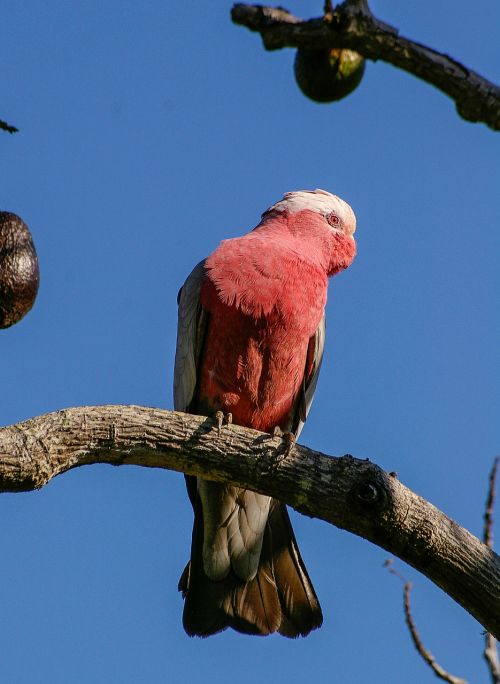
(288, 442)
(221, 419)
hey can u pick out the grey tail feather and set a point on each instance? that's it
(280, 598)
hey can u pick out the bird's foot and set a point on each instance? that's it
(221, 419)
(288, 442)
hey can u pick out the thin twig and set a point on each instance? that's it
(490, 652)
(490, 505)
(424, 653)
(4, 126)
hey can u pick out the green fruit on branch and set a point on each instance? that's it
(328, 75)
(19, 273)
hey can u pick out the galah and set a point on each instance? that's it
(250, 341)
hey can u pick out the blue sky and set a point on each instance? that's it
(149, 132)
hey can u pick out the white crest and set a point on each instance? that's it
(320, 201)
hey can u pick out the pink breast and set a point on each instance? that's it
(251, 367)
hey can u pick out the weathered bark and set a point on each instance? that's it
(352, 494)
(351, 25)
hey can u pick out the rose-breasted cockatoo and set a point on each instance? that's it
(250, 341)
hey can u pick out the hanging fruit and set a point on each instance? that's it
(19, 273)
(328, 75)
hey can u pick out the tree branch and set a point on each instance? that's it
(423, 652)
(351, 25)
(352, 494)
(4, 126)
(490, 652)
(438, 670)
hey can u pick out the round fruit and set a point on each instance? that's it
(19, 274)
(328, 75)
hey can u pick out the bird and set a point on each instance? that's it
(250, 340)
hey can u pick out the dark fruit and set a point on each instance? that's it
(328, 75)
(19, 274)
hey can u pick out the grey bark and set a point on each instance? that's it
(354, 495)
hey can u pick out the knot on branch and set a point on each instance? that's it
(372, 493)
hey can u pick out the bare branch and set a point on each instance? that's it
(417, 642)
(426, 655)
(490, 505)
(490, 652)
(354, 495)
(4, 126)
(352, 25)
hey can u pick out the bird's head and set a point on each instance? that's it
(337, 213)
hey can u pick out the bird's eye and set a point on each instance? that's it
(334, 220)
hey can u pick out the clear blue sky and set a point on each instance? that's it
(149, 132)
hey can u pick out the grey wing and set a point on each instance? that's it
(313, 366)
(233, 519)
(191, 325)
